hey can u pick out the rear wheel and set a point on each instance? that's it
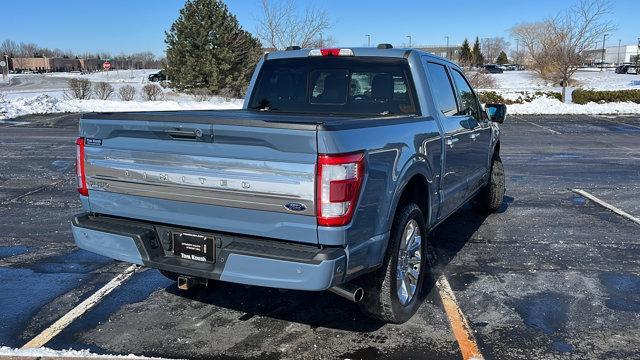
(392, 293)
(489, 198)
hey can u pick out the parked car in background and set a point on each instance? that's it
(330, 178)
(159, 76)
(622, 69)
(627, 69)
(493, 69)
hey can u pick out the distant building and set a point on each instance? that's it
(612, 55)
(451, 52)
(45, 64)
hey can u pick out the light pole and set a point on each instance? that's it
(604, 39)
(409, 36)
(637, 55)
(368, 40)
(517, 52)
(5, 71)
(618, 62)
(447, 37)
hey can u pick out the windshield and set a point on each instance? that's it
(335, 85)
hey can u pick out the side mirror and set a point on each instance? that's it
(496, 112)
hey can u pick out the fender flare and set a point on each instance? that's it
(413, 167)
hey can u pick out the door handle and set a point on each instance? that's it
(452, 141)
(474, 136)
(184, 135)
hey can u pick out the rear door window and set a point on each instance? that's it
(442, 89)
(468, 101)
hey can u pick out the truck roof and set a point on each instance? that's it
(357, 51)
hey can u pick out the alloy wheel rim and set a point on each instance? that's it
(409, 259)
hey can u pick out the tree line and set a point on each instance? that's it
(143, 59)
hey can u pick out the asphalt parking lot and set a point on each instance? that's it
(551, 276)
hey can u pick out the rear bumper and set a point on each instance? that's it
(238, 259)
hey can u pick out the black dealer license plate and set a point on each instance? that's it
(193, 247)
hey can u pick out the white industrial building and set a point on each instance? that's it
(614, 54)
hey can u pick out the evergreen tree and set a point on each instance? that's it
(478, 58)
(207, 49)
(502, 58)
(465, 53)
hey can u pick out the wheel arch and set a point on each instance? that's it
(496, 149)
(417, 183)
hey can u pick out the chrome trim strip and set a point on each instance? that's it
(266, 202)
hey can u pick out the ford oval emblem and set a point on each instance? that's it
(294, 206)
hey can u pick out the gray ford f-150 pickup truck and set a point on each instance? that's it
(330, 177)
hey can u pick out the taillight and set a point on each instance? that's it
(339, 181)
(80, 171)
(331, 52)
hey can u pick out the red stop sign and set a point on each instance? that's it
(106, 65)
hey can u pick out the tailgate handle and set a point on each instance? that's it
(184, 135)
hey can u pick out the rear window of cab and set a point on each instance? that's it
(335, 85)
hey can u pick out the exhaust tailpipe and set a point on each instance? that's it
(188, 282)
(349, 292)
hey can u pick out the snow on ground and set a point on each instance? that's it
(46, 352)
(511, 85)
(550, 106)
(27, 94)
(126, 76)
(45, 104)
(592, 79)
(55, 84)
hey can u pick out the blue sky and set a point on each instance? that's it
(128, 26)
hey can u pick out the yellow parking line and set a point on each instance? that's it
(53, 330)
(459, 324)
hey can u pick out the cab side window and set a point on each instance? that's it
(469, 103)
(442, 89)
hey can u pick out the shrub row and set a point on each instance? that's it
(587, 96)
(492, 97)
(83, 89)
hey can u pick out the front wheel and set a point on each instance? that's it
(392, 293)
(489, 198)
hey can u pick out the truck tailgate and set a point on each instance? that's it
(211, 175)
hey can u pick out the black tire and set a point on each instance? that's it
(169, 275)
(489, 198)
(381, 299)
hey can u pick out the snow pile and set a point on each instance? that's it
(41, 104)
(46, 352)
(549, 106)
(45, 104)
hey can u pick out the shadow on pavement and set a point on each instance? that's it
(316, 309)
(324, 309)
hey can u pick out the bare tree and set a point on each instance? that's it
(151, 92)
(127, 93)
(492, 47)
(9, 47)
(103, 90)
(556, 45)
(28, 50)
(78, 89)
(480, 79)
(282, 24)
